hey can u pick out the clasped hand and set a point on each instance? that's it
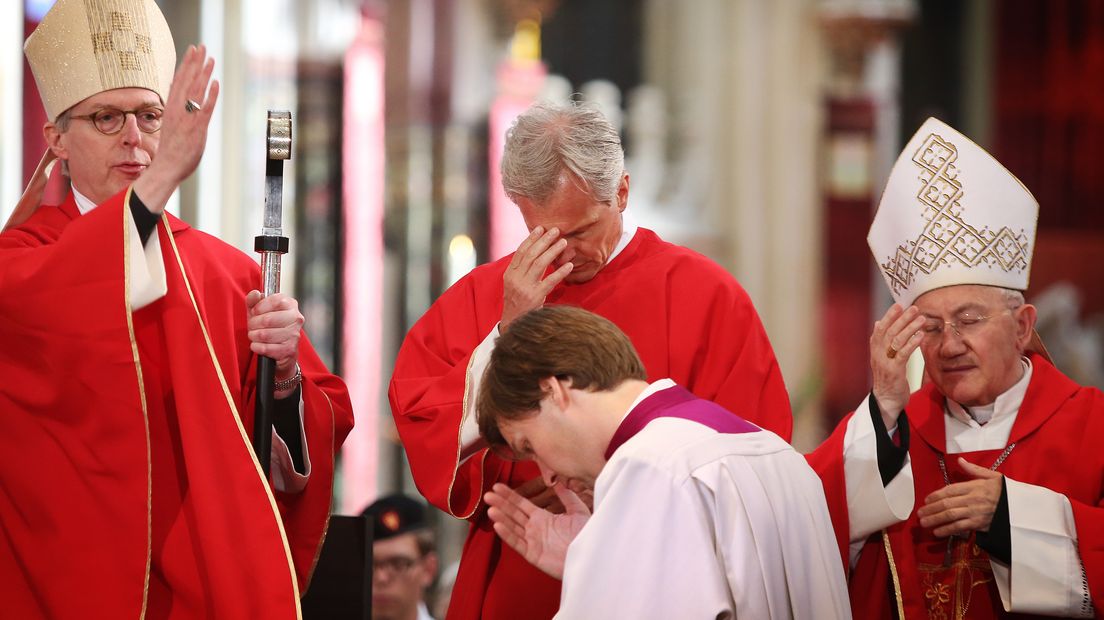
(539, 536)
(275, 325)
(963, 507)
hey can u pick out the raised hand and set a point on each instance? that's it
(275, 325)
(183, 135)
(893, 340)
(524, 286)
(963, 507)
(539, 536)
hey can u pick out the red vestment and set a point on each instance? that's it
(129, 484)
(688, 319)
(1056, 433)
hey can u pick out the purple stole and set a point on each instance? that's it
(677, 402)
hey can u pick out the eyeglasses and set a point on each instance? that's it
(393, 566)
(110, 121)
(963, 325)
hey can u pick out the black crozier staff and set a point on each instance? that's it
(271, 244)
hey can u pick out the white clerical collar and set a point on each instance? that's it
(84, 203)
(628, 231)
(1006, 404)
(655, 386)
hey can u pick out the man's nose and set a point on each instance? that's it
(547, 474)
(951, 342)
(130, 134)
(566, 256)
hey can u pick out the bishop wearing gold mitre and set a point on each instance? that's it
(129, 343)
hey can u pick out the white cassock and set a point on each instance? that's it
(692, 523)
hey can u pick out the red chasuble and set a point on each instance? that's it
(688, 319)
(1057, 434)
(129, 486)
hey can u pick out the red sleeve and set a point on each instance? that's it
(827, 462)
(428, 394)
(719, 349)
(58, 352)
(50, 253)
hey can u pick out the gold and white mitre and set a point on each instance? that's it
(951, 214)
(84, 47)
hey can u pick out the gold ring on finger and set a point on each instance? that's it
(891, 351)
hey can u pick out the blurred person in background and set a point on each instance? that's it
(404, 558)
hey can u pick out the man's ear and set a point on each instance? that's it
(1025, 317)
(623, 193)
(430, 562)
(54, 140)
(558, 390)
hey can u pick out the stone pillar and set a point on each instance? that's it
(742, 79)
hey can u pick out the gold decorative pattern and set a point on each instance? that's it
(129, 61)
(115, 30)
(948, 238)
(121, 21)
(948, 590)
(101, 42)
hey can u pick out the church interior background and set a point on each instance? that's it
(757, 132)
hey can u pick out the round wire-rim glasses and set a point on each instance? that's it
(962, 325)
(110, 121)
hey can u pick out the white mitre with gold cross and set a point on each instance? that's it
(951, 214)
(84, 47)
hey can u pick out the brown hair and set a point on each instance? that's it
(554, 341)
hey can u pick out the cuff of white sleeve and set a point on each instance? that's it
(871, 505)
(470, 441)
(147, 269)
(1046, 576)
(284, 477)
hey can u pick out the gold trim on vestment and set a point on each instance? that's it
(460, 447)
(141, 397)
(237, 420)
(893, 573)
(333, 467)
